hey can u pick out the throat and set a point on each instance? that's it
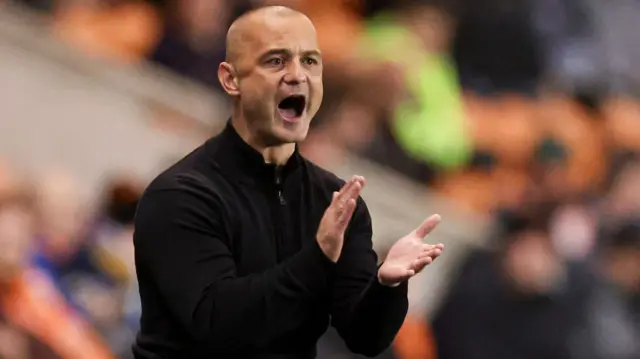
(279, 155)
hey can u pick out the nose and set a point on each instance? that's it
(295, 74)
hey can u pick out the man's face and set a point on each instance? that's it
(279, 78)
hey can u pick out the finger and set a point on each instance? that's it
(342, 194)
(428, 225)
(351, 194)
(345, 217)
(420, 264)
(424, 254)
(337, 205)
(344, 207)
(433, 253)
(346, 187)
(354, 191)
(426, 247)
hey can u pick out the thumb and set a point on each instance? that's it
(428, 225)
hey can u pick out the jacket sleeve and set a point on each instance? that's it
(180, 242)
(366, 314)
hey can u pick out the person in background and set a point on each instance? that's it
(416, 106)
(36, 321)
(60, 219)
(192, 42)
(521, 301)
(496, 47)
(111, 243)
(613, 317)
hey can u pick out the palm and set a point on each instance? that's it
(409, 255)
(404, 252)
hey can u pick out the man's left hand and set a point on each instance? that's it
(409, 255)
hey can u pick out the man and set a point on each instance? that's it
(244, 249)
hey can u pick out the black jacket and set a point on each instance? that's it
(229, 266)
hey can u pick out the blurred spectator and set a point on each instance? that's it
(426, 120)
(496, 47)
(613, 319)
(111, 238)
(591, 47)
(193, 40)
(35, 320)
(119, 30)
(59, 222)
(403, 112)
(574, 60)
(15, 223)
(523, 301)
(574, 228)
(77, 267)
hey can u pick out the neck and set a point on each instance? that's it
(278, 154)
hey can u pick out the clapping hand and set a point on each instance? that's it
(336, 218)
(409, 255)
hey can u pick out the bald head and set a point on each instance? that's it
(246, 29)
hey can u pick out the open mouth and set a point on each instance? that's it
(292, 107)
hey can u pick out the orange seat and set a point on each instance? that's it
(583, 135)
(622, 116)
(415, 340)
(338, 26)
(507, 127)
(472, 190)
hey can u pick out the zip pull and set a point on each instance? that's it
(281, 198)
(278, 182)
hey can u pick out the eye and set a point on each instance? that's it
(309, 61)
(276, 61)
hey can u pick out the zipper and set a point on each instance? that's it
(277, 209)
(278, 183)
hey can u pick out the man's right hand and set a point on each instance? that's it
(336, 218)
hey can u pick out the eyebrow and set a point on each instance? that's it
(286, 52)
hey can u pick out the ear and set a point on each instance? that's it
(228, 79)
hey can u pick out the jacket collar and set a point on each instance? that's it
(237, 158)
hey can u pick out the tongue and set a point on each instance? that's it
(288, 113)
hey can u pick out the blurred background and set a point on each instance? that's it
(518, 121)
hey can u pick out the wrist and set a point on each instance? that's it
(386, 283)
